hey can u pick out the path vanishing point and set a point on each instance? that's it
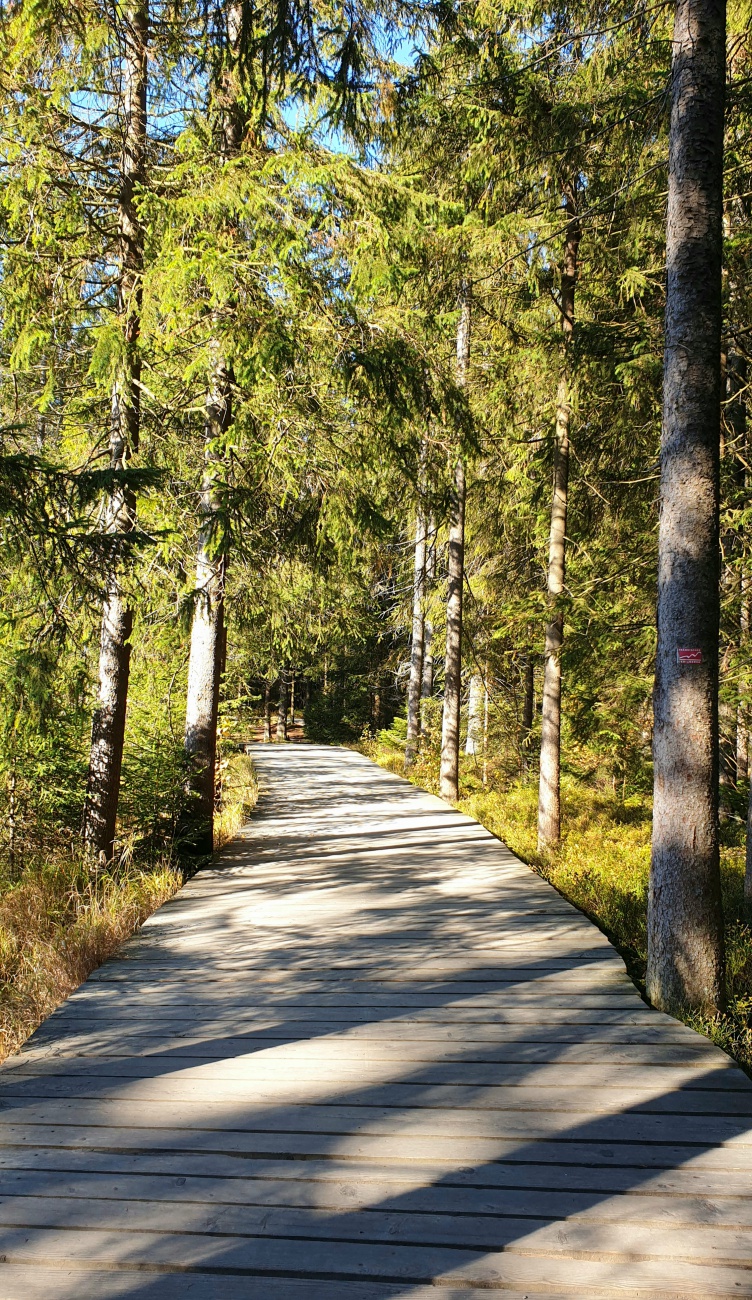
(368, 1054)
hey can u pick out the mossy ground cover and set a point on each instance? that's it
(602, 865)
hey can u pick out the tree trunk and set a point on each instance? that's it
(528, 709)
(474, 738)
(426, 690)
(108, 722)
(549, 800)
(12, 818)
(267, 711)
(748, 863)
(450, 718)
(376, 705)
(685, 922)
(292, 698)
(486, 703)
(415, 682)
(282, 707)
(742, 711)
(208, 628)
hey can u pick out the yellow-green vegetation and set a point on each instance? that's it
(239, 791)
(57, 923)
(602, 867)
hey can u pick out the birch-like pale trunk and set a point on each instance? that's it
(267, 711)
(685, 920)
(415, 681)
(450, 717)
(549, 797)
(208, 626)
(475, 712)
(108, 721)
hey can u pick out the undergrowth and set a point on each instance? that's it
(57, 924)
(601, 866)
(58, 921)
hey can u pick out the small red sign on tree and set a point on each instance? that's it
(685, 656)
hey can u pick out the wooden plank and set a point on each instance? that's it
(515, 1233)
(599, 1182)
(58, 1281)
(409, 1144)
(199, 1097)
(71, 1072)
(340, 1195)
(337, 1260)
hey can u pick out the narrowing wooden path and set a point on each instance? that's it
(368, 1054)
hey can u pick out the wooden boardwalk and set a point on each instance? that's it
(369, 1055)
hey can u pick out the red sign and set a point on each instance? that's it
(684, 656)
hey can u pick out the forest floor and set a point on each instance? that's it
(602, 866)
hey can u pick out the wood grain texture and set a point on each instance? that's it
(369, 1055)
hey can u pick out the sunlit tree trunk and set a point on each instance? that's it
(282, 707)
(207, 630)
(292, 697)
(108, 722)
(450, 718)
(685, 922)
(474, 738)
(415, 681)
(267, 711)
(426, 690)
(549, 800)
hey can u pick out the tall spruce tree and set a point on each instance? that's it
(685, 922)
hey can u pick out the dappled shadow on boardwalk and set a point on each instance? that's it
(365, 1055)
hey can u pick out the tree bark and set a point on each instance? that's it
(282, 707)
(426, 690)
(475, 713)
(742, 713)
(208, 628)
(748, 862)
(108, 722)
(549, 798)
(292, 698)
(685, 922)
(528, 708)
(450, 718)
(267, 711)
(415, 682)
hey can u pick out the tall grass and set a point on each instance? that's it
(602, 866)
(57, 923)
